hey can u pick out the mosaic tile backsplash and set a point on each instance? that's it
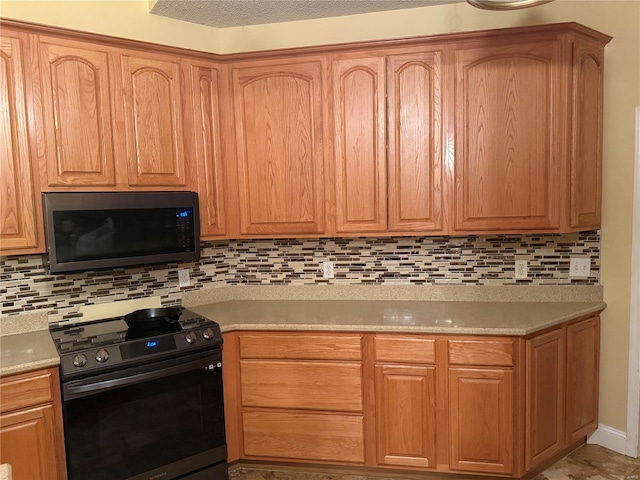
(479, 260)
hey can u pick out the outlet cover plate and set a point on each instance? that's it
(521, 269)
(183, 278)
(327, 269)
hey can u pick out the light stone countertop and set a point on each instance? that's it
(27, 351)
(471, 318)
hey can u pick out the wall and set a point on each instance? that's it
(620, 19)
(26, 286)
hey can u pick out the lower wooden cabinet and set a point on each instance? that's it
(481, 420)
(406, 415)
(31, 426)
(447, 403)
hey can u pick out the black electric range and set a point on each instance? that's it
(104, 345)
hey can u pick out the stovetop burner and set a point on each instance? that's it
(110, 343)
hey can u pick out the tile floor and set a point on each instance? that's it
(589, 462)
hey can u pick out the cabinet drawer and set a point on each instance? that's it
(303, 385)
(304, 436)
(481, 352)
(301, 347)
(405, 349)
(25, 390)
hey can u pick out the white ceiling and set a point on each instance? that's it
(235, 13)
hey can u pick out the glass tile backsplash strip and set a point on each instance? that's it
(478, 260)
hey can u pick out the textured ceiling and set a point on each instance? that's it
(234, 13)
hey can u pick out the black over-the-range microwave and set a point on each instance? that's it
(93, 230)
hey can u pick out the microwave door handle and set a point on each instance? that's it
(78, 388)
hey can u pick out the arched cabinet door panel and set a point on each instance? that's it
(415, 129)
(153, 121)
(359, 144)
(77, 115)
(19, 230)
(510, 126)
(278, 111)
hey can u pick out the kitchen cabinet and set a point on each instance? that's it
(394, 185)
(302, 400)
(204, 82)
(545, 411)
(528, 132)
(31, 425)
(279, 116)
(77, 114)
(583, 358)
(405, 382)
(562, 388)
(481, 405)
(20, 224)
(472, 404)
(153, 119)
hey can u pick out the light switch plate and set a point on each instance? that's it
(580, 267)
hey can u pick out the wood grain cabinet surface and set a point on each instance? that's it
(20, 223)
(528, 133)
(279, 115)
(467, 404)
(31, 426)
(388, 134)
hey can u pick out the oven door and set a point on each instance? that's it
(162, 420)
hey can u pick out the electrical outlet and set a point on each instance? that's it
(580, 267)
(183, 278)
(521, 269)
(327, 269)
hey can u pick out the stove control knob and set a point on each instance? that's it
(80, 360)
(207, 334)
(102, 355)
(191, 337)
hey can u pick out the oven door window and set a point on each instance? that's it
(123, 432)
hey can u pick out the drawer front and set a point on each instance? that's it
(405, 349)
(301, 347)
(481, 352)
(301, 385)
(304, 436)
(25, 390)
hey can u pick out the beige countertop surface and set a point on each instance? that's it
(22, 352)
(25, 343)
(446, 317)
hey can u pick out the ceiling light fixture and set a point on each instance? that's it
(506, 4)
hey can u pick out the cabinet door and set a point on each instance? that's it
(415, 116)
(583, 353)
(406, 415)
(18, 207)
(359, 145)
(586, 123)
(205, 79)
(27, 439)
(76, 99)
(481, 420)
(544, 422)
(509, 137)
(153, 121)
(279, 147)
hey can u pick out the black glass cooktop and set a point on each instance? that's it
(112, 331)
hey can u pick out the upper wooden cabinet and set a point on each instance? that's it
(20, 228)
(359, 144)
(388, 134)
(205, 146)
(77, 114)
(153, 126)
(528, 132)
(278, 118)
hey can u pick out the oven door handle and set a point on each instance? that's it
(83, 388)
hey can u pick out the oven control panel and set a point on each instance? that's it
(94, 359)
